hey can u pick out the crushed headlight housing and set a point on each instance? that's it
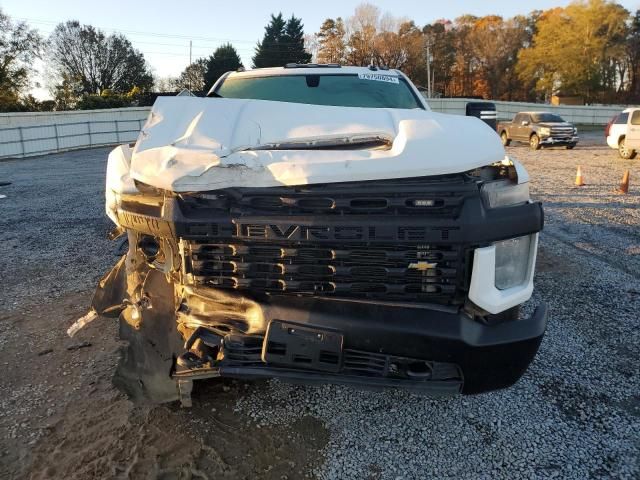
(512, 262)
(505, 193)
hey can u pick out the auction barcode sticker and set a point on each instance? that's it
(378, 77)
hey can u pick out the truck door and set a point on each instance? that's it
(519, 129)
(515, 124)
(633, 131)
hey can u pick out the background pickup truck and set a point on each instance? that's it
(538, 129)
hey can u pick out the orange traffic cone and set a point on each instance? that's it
(624, 186)
(579, 179)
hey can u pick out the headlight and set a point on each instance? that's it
(575, 131)
(504, 193)
(512, 262)
(545, 131)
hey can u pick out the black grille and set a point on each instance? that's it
(433, 196)
(386, 240)
(365, 363)
(246, 351)
(383, 271)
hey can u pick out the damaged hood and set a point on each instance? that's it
(197, 144)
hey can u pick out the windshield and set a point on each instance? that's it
(546, 117)
(371, 90)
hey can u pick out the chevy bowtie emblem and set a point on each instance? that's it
(422, 266)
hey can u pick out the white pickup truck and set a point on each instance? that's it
(319, 223)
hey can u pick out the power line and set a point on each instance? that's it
(150, 34)
(161, 35)
(181, 45)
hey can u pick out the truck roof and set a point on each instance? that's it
(537, 111)
(313, 68)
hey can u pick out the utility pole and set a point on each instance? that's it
(428, 70)
(188, 69)
(433, 79)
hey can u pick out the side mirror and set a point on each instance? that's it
(525, 123)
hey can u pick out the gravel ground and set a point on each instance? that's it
(575, 413)
(52, 226)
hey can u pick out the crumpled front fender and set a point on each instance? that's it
(144, 301)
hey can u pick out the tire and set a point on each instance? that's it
(534, 142)
(624, 152)
(570, 147)
(505, 139)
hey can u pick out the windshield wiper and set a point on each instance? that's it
(351, 142)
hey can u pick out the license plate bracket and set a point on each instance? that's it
(294, 345)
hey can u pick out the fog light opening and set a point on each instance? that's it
(149, 246)
(419, 370)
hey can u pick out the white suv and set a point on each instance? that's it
(623, 132)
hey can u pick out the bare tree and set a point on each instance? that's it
(97, 61)
(312, 45)
(362, 29)
(164, 84)
(192, 77)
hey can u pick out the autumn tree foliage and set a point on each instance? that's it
(579, 49)
(332, 47)
(590, 48)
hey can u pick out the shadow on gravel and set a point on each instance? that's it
(67, 420)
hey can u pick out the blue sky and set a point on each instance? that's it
(161, 29)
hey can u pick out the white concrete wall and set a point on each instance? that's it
(37, 133)
(583, 115)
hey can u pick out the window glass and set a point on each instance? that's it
(338, 90)
(622, 118)
(546, 117)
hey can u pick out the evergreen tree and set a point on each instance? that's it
(269, 52)
(283, 43)
(293, 40)
(224, 59)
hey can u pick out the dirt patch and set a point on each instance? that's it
(547, 261)
(64, 419)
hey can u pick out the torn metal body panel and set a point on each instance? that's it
(358, 250)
